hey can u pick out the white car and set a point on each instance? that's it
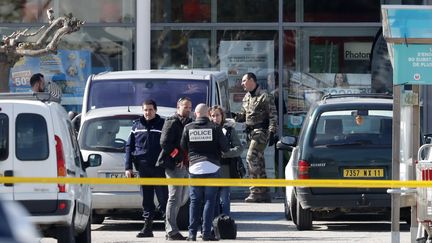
(37, 140)
(105, 131)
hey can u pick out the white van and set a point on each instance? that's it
(131, 88)
(37, 140)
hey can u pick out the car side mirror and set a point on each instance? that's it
(427, 138)
(286, 143)
(93, 160)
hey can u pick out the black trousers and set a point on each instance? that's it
(148, 192)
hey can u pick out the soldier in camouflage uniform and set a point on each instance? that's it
(259, 113)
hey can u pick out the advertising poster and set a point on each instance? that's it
(238, 58)
(69, 69)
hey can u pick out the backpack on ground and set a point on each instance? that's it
(224, 227)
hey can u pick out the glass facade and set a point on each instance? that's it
(320, 41)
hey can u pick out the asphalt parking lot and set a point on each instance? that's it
(263, 223)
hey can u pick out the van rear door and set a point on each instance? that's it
(222, 92)
(6, 144)
(35, 156)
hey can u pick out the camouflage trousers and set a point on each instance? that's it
(257, 139)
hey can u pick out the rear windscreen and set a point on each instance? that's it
(166, 92)
(4, 137)
(31, 137)
(354, 127)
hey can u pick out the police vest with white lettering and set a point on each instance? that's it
(204, 141)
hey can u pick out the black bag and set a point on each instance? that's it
(224, 227)
(237, 168)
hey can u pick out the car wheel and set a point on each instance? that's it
(183, 217)
(287, 210)
(65, 234)
(85, 236)
(293, 208)
(97, 218)
(304, 217)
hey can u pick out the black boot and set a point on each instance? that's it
(147, 230)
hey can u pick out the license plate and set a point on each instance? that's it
(118, 175)
(354, 173)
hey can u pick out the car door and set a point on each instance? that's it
(83, 194)
(6, 144)
(34, 155)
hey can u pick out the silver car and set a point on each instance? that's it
(105, 131)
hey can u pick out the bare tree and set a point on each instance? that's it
(15, 46)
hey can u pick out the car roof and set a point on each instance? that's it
(173, 74)
(372, 98)
(356, 100)
(125, 110)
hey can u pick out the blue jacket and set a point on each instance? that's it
(143, 146)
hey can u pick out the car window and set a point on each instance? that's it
(4, 136)
(354, 127)
(31, 137)
(109, 134)
(74, 142)
(165, 92)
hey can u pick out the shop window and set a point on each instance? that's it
(181, 49)
(101, 11)
(342, 11)
(30, 11)
(181, 11)
(247, 11)
(289, 10)
(340, 54)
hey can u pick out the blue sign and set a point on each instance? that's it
(412, 64)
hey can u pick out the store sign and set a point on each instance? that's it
(412, 64)
(357, 51)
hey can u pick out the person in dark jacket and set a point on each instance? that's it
(217, 115)
(142, 150)
(173, 159)
(205, 142)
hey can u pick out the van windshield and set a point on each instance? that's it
(166, 92)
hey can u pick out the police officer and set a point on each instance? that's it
(204, 141)
(259, 112)
(142, 150)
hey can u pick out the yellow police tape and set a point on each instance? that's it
(341, 183)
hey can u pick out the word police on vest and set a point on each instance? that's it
(200, 135)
